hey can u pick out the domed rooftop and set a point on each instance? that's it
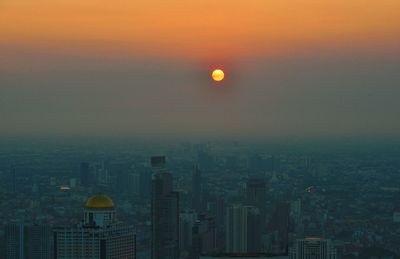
(99, 201)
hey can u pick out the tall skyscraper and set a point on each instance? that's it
(315, 248)
(278, 230)
(256, 195)
(204, 237)
(28, 241)
(186, 224)
(164, 213)
(197, 201)
(84, 174)
(100, 236)
(243, 232)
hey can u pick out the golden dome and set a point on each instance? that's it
(99, 201)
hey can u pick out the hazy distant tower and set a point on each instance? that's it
(256, 195)
(196, 190)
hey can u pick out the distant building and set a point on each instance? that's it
(84, 174)
(204, 236)
(315, 248)
(217, 208)
(197, 190)
(99, 237)
(164, 213)
(243, 232)
(28, 241)
(241, 256)
(256, 195)
(278, 230)
(186, 224)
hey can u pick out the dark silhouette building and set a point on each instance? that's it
(278, 229)
(243, 232)
(256, 195)
(28, 241)
(164, 213)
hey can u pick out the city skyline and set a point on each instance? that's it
(199, 129)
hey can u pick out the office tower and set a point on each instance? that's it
(256, 195)
(100, 236)
(315, 248)
(28, 241)
(164, 213)
(204, 236)
(243, 232)
(84, 174)
(15, 245)
(103, 176)
(295, 210)
(186, 224)
(217, 208)
(196, 190)
(278, 230)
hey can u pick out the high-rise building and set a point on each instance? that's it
(204, 236)
(278, 230)
(196, 190)
(315, 248)
(84, 174)
(239, 256)
(164, 213)
(243, 232)
(186, 224)
(216, 207)
(100, 236)
(256, 195)
(28, 241)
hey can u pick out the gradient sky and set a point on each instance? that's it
(141, 68)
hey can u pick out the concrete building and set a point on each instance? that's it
(99, 237)
(27, 241)
(313, 248)
(243, 232)
(164, 213)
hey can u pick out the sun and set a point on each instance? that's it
(218, 75)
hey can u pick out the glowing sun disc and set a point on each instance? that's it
(218, 75)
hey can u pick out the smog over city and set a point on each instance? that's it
(199, 129)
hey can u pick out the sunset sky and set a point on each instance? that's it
(293, 67)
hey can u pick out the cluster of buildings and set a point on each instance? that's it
(261, 207)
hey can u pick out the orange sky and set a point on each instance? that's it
(200, 29)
